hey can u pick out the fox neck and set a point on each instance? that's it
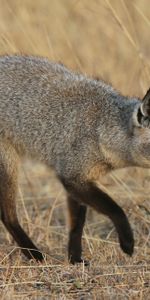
(116, 159)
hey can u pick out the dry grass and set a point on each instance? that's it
(109, 39)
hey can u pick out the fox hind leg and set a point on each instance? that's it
(8, 191)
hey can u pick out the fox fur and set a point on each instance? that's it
(78, 126)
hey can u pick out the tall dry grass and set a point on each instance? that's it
(109, 39)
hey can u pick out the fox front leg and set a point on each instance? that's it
(77, 215)
(90, 194)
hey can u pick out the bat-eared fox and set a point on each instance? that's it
(81, 128)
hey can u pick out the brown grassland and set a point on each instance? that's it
(111, 40)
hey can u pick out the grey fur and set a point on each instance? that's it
(67, 120)
(80, 127)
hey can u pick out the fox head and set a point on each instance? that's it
(141, 133)
(125, 136)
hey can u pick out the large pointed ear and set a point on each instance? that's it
(145, 106)
(142, 116)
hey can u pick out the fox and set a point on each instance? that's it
(80, 127)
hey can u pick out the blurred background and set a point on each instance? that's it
(110, 39)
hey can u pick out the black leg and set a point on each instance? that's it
(77, 215)
(19, 235)
(8, 191)
(10, 220)
(91, 195)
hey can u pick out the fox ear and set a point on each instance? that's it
(143, 113)
(145, 106)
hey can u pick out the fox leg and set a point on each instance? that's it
(107, 206)
(77, 216)
(91, 195)
(8, 191)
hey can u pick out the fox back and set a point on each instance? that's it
(80, 127)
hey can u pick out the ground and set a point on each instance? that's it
(110, 40)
